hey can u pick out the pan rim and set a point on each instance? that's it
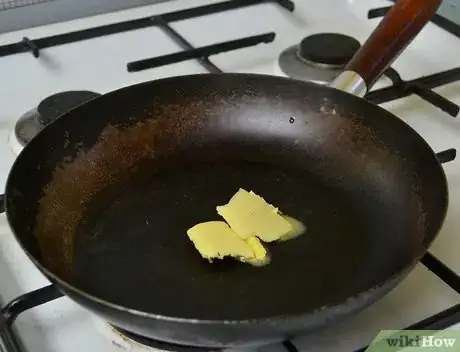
(390, 282)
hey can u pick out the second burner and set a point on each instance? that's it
(318, 58)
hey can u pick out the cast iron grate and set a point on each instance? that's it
(35, 45)
(421, 86)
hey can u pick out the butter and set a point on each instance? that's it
(297, 229)
(250, 220)
(249, 215)
(215, 239)
(258, 249)
(261, 256)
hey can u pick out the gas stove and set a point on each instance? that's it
(47, 70)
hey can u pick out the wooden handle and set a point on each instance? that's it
(396, 30)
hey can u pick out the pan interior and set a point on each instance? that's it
(133, 249)
(368, 189)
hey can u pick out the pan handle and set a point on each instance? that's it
(394, 33)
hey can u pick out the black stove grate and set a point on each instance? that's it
(12, 310)
(421, 86)
(184, 44)
(35, 45)
(201, 54)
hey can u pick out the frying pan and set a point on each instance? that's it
(101, 199)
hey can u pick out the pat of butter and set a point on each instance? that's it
(249, 215)
(215, 239)
(258, 250)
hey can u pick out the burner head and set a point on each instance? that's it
(160, 345)
(317, 58)
(55, 105)
(48, 110)
(331, 49)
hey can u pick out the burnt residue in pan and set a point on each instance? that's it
(154, 134)
(117, 153)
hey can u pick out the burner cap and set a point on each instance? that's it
(328, 49)
(55, 105)
(48, 110)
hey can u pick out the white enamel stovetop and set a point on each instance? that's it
(100, 65)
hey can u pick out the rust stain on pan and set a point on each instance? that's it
(118, 151)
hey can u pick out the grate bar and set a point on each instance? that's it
(440, 321)
(394, 76)
(180, 40)
(204, 51)
(8, 314)
(378, 12)
(31, 46)
(421, 86)
(442, 271)
(27, 301)
(434, 98)
(287, 4)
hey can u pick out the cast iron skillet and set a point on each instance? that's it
(101, 199)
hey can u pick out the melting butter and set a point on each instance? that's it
(297, 229)
(261, 255)
(249, 220)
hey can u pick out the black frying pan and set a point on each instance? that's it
(101, 199)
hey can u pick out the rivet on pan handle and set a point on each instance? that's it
(393, 34)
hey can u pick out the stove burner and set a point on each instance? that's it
(163, 346)
(328, 49)
(48, 110)
(319, 57)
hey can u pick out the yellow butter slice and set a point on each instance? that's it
(250, 215)
(215, 239)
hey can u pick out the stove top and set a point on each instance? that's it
(103, 53)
